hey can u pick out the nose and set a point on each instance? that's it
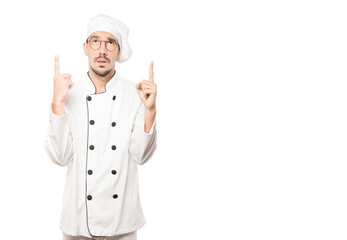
(102, 49)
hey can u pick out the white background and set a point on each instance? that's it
(251, 115)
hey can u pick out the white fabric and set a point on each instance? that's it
(127, 236)
(67, 144)
(114, 26)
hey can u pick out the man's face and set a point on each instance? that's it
(102, 61)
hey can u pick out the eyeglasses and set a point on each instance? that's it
(96, 43)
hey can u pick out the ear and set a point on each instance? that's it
(118, 55)
(85, 48)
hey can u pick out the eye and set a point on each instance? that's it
(95, 41)
(111, 43)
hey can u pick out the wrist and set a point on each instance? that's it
(58, 108)
(57, 101)
(152, 110)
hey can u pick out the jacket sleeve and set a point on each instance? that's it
(59, 142)
(142, 145)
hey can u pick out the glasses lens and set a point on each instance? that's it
(111, 45)
(94, 44)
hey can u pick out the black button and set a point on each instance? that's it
(115, 195)
(89, 197)
(113, 147)
(114, 172)
(91, 147)
(91, 122)
(113, 124)
(89, 98)
(114, 97)
(90, 172)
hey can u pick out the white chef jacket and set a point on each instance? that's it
(101, 139)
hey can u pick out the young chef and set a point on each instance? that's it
(101, 127)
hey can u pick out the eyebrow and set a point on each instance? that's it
(109, 38)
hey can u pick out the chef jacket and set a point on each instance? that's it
(101, 139)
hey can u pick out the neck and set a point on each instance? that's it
(100, 81)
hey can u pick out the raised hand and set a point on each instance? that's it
(62, 84)
(147, 90)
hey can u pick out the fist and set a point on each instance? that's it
(62, 83)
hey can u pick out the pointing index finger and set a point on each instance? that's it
(56, 65)
(151, 74)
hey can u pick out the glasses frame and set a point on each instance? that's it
(88, 41)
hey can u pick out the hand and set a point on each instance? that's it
(147, 90)
(62, 83)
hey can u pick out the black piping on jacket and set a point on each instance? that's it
(85, 199)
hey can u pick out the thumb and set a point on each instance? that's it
(71, 83)
(138, 86)
(139, 91)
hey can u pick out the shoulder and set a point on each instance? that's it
(78, 85)
(79, 88)
(127, 83)
(129, 90)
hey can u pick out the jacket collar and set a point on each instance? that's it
(112, 82)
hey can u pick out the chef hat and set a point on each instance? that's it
(105, 23)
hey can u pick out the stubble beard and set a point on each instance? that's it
(101, 74)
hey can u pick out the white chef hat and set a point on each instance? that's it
(109, 24)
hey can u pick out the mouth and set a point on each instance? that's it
(101, 61)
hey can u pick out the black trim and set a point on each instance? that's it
(105, 85)
(85, 199)
(86, 177)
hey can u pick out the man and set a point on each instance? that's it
(101, 127)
